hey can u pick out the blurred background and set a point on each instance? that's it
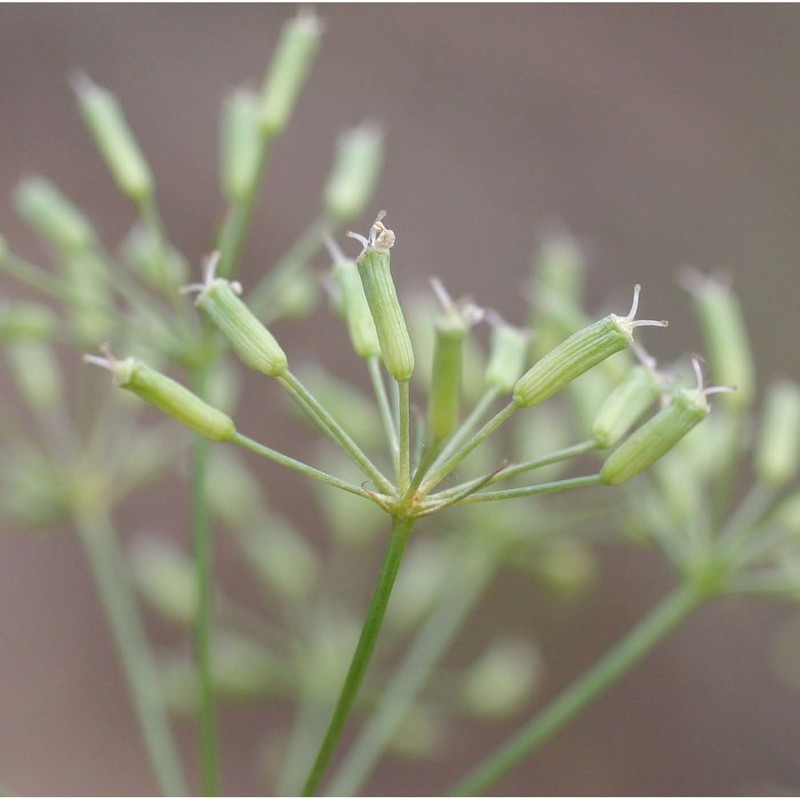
(661, 136)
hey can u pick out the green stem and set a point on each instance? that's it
(298, 466)
(323, 418)
(530, 491)
(37, 278)
(404, 471)
(424, 465)
(675, 608)
(529, 466)
(374, 366)
(472, 571)
(736, 537)
(469, 424)
(203, 548)
(544, 461)
(443, 470)
(127, 628)
(234, 228)
(401, 530)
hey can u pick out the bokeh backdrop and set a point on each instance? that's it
(662, 136)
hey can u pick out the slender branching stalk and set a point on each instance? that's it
(385, 408)
(577, 698)
(203, 549)
(99, 540)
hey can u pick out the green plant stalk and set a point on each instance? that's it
(374, 366)
(318, 412)
(303, 743)
(528, 466)
(472, 572)
(230, 239)
(424, 464)
(468, 425)
(401, 529)
(99, 541)
(743, 524)
(132, 295)
(726, 479)
(298, 466)
(404, 414)
(673, 610)
(544, 461)
(530, 491)
(36, 277)
(203, 551)
(437, 474)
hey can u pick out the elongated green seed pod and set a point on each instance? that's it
(579, 353)
(445, 395)
(509, 348)
(623, 408)
(240, 144)
(559, 269)
(778, 450)
(107, 124)
(53, 216)
(359, 159)
(288, 71)
(657, 436)
(729, 353)
(167, 395)
(355, 308)
(248, 336)
(451, 330)
(374, 267)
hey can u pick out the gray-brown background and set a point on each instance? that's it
(663, 135)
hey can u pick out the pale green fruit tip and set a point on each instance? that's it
(374, 267)
(686, 409)
(727, 342)
(358, 163)
(166, 394)
(778, 449)
(579, 353)
(113, 136)
(48, 211)
(289, 70)
(507, 354)
(451, 328)
(249, 337)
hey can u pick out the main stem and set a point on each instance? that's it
(401, 529)
(471, 574)
(127, 628)
(675, 608)
(203, 548)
